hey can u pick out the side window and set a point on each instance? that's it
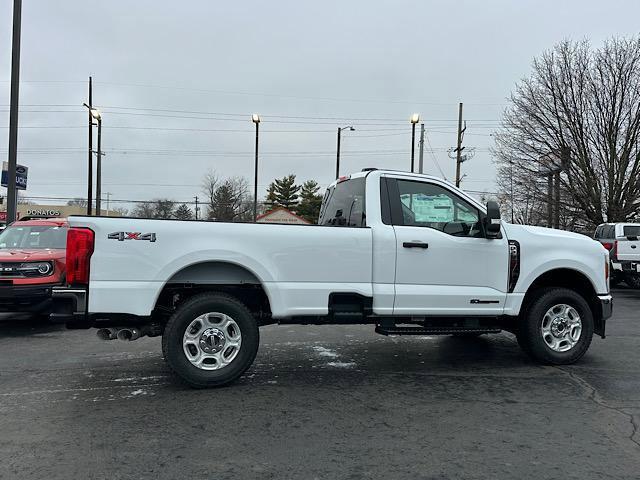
(343, 205)
(428, 205)
(598, 233)
(610, 231)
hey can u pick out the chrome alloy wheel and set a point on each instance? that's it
(561, 328)
(212, 341)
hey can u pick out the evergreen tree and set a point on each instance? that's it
(163, 208)
(310, 201)
(184, 212)
(230, 202)
(283, 193)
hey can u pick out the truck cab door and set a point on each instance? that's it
(445, 264)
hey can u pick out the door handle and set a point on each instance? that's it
(415, 245)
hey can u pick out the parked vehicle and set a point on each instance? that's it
(408, 253)
(623, 242)
(32, 261)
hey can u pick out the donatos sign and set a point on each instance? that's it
(44, 213)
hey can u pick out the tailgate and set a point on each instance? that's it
(628, 250)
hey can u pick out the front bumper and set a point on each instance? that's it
(25, 298)
(601, 316)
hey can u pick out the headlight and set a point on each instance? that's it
(36, 268)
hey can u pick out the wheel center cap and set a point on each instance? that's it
(559, 327)
(212, 340)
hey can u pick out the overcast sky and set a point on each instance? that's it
(178, 81)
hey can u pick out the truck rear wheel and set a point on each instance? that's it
(557, 327)
(211, 340)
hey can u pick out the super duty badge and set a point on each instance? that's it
(122, 236)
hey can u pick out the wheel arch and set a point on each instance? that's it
(215, 275)
(571, 279)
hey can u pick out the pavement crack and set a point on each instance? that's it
(594, 396)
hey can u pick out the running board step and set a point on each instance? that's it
(432, 330)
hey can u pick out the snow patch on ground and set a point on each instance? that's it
(342, 364)
(325, 352)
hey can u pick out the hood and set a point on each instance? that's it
(524, 232)
(24, 255)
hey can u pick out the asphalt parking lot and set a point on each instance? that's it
(321, 402)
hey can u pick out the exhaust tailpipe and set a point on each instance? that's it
(130, 334)
(107, 333)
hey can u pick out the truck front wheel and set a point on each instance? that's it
(210, 340)
(556, 328)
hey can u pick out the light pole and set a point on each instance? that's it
(255, 118)
(12, 192)
(415, 118)
(351, 129)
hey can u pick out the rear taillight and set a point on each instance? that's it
(79, 250)
(607, 245)
(614, 250)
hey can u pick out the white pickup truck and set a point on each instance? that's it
(622, 241)
(408, 253)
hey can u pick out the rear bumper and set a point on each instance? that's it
(604, 313)
(625, 266)
(69, 305)
(25, 298)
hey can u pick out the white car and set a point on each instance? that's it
(407, 253)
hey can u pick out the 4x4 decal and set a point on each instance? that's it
(122, 236)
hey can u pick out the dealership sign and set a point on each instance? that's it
(21, 176)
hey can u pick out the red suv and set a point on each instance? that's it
(32, 260)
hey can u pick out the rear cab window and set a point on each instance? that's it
(344, 204)
(631, 231)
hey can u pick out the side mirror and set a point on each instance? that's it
(492, 220)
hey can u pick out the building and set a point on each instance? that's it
(281, 215)
(45, 211)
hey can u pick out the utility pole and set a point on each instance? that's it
(556, 214)
(99, 168)
(550, 200)
(338, 154)
(196, 197)
(90, 160)
(421, 159)
(255, 118)
(12, 192)
(108, 194)
(459, 146)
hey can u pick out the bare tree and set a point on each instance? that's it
(144, 210)
(585, 100)
(210, 183)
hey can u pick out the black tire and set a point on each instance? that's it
(172, 337)
(529, 334)
(633, 280)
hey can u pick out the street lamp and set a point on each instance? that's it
(255, 118)
(349, 128)
(415, 118)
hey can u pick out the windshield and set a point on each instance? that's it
(34, 237)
